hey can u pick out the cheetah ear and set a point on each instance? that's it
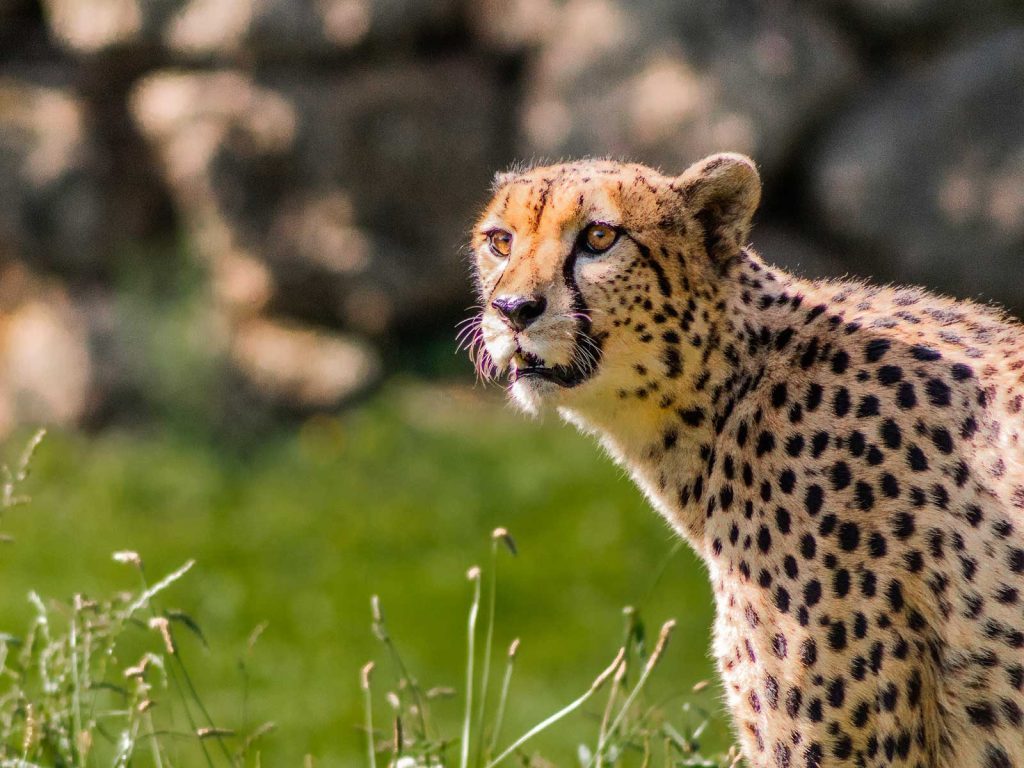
(722, 192)
(501, 178)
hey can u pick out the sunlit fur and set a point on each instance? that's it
(847, 459)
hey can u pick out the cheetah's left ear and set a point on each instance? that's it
(722, 192)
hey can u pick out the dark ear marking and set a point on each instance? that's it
(722, 192)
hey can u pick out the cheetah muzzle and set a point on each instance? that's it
(847, 459)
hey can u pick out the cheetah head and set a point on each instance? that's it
(576, 264)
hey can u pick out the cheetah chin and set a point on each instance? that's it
(847, 459)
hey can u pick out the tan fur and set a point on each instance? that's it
(847, 459)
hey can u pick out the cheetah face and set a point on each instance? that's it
(547, 252)
(569, 258)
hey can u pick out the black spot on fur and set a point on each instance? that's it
(924, 354)
(875, 349)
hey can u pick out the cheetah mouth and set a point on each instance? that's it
(530, 366)
(562, 375)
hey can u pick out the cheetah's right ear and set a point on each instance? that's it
(722, 192)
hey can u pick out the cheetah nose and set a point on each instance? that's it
(520, 311)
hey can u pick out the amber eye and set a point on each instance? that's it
(598, 238)
(500, 242)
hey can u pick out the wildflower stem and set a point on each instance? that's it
(188, 712)
(499, 716)
(659, 573)
(488, 643)
(606, 717)
(381, 631)
(659, 649)
(474, 610)
(199, 703)
(566, 710)
(76, 700)
(364, 680)
(154, 743)
(145, 599)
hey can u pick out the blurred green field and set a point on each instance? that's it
(396, 497)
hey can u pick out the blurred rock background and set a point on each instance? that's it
(305, 172)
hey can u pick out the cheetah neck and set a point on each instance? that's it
(667, 439)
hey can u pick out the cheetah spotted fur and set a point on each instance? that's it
(847, 459)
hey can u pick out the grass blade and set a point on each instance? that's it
(499, 716)
(563, 712)
(659, 648)
(474, 609)
(364, 683)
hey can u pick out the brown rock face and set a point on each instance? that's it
(323, 161)
(671, 81)
(888, 18)
(299, 368)
(52, 201)
(45, 368)
(342, 200)
(228, 29)
(928, 172)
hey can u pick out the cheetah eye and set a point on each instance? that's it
(500, 242)
(598, 238)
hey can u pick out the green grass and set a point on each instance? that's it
(395, 498)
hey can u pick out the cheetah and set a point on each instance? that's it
(847, 459)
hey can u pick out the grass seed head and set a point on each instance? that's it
(31, 730)
(364, 675)
(503, 535)
(600, 680)
(375, 609)
(213, 733)
(84, 745)
(139, 670)
(398, 737)
(163, 626)
(128, 558)
(659, 647)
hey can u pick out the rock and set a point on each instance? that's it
(9, 8)
(928, 173)
(512, 25)
(340, 199)
(232, 29)
(74, 187)
(191, 121)
(52, 197)
(300, 368)
(45, 367)
(889, 18)
(668, 81)
(19, 27)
